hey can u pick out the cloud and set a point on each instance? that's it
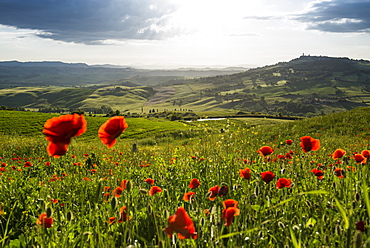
(244, 35)
(90, 21)
(264, 18)
(337, 16)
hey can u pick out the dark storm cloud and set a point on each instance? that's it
(89, 21)
(338, 16)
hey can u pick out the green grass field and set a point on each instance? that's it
(79, 190)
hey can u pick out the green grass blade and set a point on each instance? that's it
(294, 239)
(343, 212)
(366, 196)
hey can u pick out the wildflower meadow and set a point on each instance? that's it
(223, 183)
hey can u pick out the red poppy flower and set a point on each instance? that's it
(318, 173)
(230, 203)
(282, 183)
(112, 220)
(230, 210)
(365, 153)
(59, 131)
(27, 164)
(154, 190)
(149, 181)
(123, 184)
(359, 158)
(123, 215)
(194, 183)
(289, 142)
(229, 213)
(223, 190)
(111, 129)
(44, 221)
(106, 196)
(360, 225)
(288, 156)
(265, 150)
(339, 153)
(213, 192)
(351, 168)
(339, 173)
(280, 156)
(117, 192)
(267, 176)
(181, 223)
(309, 144)
(246, 173)
(189, 196)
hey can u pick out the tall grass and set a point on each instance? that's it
(311, 213)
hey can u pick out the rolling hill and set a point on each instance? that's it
(305, 86)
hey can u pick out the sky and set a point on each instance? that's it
(182, 33)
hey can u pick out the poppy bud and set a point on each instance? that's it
(327, 239)
(357, 239)
(98, 191)
(209, 193)
(292, 220)
(236, 186)
(113, 203)
(149, 210)
(49, 212)
(281, 225)
(128, 186)
(338, 229)
(143, 191)
(357, 196)
(257, 190)
(253, 196)
(69, 216)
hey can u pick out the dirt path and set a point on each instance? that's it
(162, 94)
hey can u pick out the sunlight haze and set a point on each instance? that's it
(174, 33)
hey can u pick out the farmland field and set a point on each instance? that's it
(125, 196)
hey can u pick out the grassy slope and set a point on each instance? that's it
(57, 97)
(351, 123)
(31, 124)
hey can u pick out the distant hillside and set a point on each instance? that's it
(308, 85)
(30, 74)
(305, 86)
